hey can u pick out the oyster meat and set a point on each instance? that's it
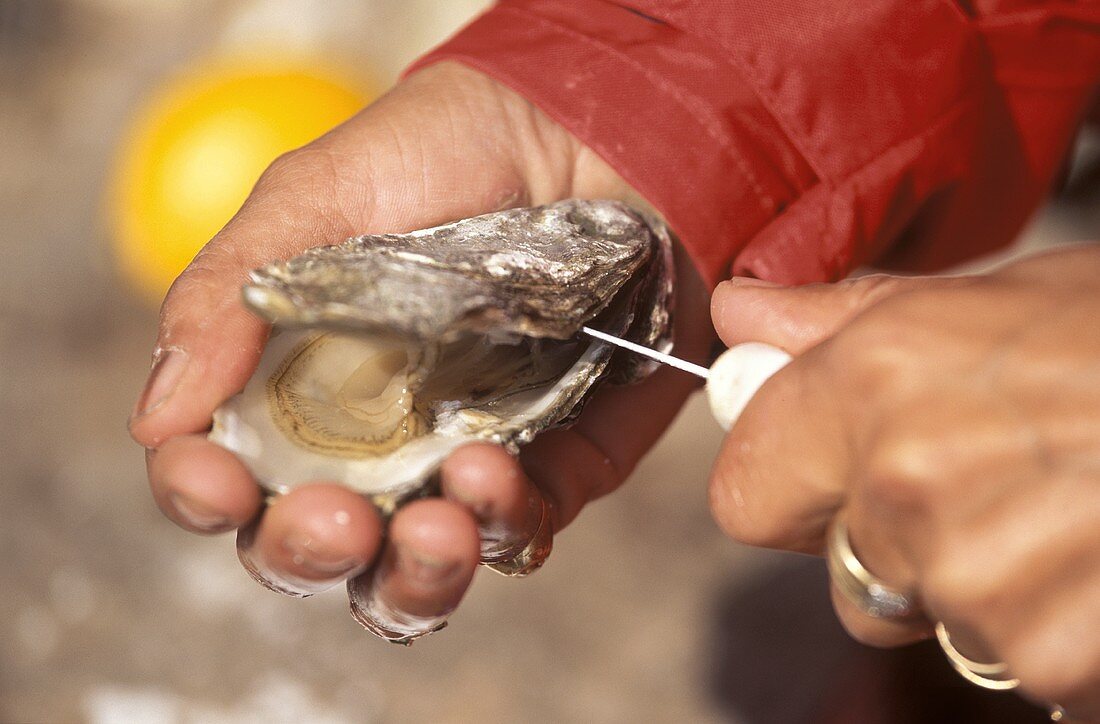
(390, 351)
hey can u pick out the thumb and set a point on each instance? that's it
(394, 167)
(797, 318)
(207, 343)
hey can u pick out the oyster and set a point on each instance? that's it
(391, 351)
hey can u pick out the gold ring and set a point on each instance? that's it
(988, 676)
(867, 591)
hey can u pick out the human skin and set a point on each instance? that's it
(446, 143)
(955, 423)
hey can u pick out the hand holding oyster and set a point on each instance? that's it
(390, 352)
(446, 143)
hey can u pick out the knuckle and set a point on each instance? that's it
(314, 182)
(279, 174)
(304, 178)
(293, 165)
(903, 473)
(881, 363)
(874, 354)
(207, 272)
(197, 280)
(863, 292)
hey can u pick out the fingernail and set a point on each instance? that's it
(167, 370)
(199, 515)
(312, 557)
(424, 568)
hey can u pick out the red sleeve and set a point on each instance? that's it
(795, 141)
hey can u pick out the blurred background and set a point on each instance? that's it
(129, 131)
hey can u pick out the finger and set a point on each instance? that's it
(797, 318)
(1020, 584)
(781, 473)
(491, 484)
(311, 539)
(424, 571)
(1054, 656)
(394, 167)
(873, 547)
(201, 486)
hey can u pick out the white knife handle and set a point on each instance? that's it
(736, 376)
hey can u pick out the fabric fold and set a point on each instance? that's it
(795, 141)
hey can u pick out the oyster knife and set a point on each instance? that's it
(697, 370)
(732, 379)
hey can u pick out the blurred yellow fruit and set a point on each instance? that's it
(198, 145)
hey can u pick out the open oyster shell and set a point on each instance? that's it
(391, 351)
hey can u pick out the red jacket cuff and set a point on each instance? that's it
(794, 141)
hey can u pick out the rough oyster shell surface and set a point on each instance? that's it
(393, 350)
